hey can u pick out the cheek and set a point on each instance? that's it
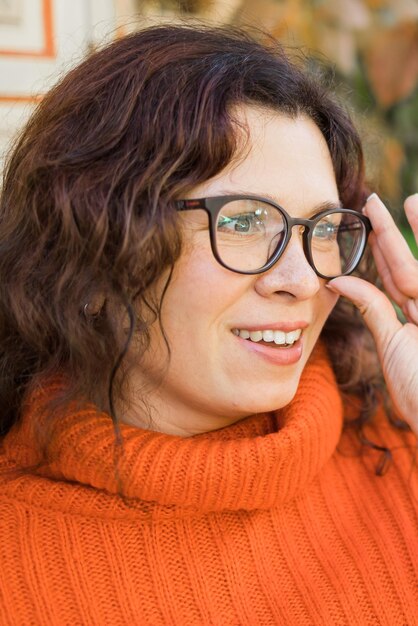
(325, 304)
(200, 291)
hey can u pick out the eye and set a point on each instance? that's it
(326, 230)
(249, 222)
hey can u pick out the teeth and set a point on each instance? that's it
(291, 337)
(297, 333)
(268, 335)
(279, 337)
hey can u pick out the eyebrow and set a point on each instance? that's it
(327, 205)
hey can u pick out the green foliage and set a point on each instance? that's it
(409, 236)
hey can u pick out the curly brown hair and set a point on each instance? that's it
(87, 207)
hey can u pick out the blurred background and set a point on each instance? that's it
(366, 49)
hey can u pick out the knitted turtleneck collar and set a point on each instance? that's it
(257, 463)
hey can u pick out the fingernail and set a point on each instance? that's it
(372, 196)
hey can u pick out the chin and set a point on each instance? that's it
(266, 404)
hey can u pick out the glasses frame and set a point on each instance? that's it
(212, 207)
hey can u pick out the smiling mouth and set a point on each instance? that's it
(270, 338)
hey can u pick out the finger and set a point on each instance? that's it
(399, 258)
(385, 274)
(411, 211)
(410, 310)
(376, 309)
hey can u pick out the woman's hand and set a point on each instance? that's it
(397, 343)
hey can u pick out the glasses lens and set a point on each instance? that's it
(337, 243)
(248, 233)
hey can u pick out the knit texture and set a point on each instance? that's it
(277, 519)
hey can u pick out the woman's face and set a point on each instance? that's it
(216, 377)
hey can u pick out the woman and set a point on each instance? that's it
(184, 396)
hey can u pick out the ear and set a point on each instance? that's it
(93, 307)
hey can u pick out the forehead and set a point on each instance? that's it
(285, 158)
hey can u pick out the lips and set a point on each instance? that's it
(286, 327)
(272, 353)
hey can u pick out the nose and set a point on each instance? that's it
(291, 274)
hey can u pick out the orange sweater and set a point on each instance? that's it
(263, 522)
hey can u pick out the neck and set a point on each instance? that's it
(171, 416)
(257, 462)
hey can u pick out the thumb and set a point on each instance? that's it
(376, 309)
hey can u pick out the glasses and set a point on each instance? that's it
(249, 234)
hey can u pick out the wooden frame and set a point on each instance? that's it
(48, 49)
